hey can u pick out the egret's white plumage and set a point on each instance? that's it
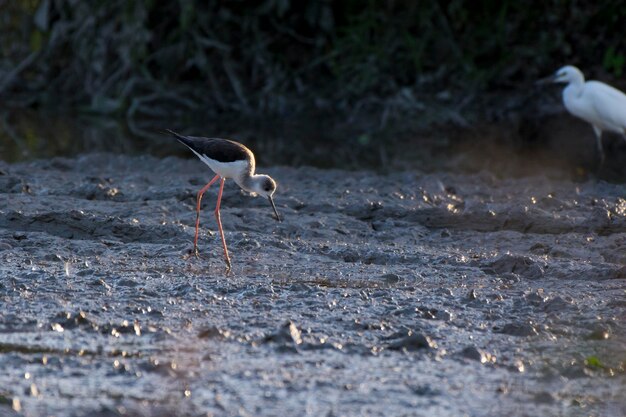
(597, 103)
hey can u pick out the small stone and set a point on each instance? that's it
(444, 291)
(443, 315)
(557, 304)
(545, 397)
(473, 353)
(525, 266)
(424, 390)
(380, 225)
(127, 282)
(288, 337)
(84, 272)
(391, 278)
(247, 243)
(434, 314)
(299, 287)
(540, 249)
(536, 297)
(53, 257)
(510, 277)
(212, 332)
(600, 333)
(77, 214)
(519, 329)
(412, 342)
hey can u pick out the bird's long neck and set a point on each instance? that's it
(575, 86)
(249, 182)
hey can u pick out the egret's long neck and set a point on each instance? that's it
(575, 86)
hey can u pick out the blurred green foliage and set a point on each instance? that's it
(148, 57)
(593, 362)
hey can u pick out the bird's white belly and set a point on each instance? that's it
(236, 169)
(589, 115)
(226, 169)
(594, 108)
(581, 109)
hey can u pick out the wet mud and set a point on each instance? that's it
(412, 293)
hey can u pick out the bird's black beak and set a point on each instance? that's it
(547, 80)
(274, 207)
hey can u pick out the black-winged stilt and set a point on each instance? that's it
(228, 159)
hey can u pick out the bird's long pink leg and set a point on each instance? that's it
(219, 222)
(199, 199)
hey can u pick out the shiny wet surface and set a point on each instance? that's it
(438, 293)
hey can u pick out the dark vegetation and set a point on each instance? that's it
(355, 83)
(283, 57)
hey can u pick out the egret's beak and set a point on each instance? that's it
(274, 207)
(548, 80)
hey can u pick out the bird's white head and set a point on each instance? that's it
(568, 74)
(264, 186)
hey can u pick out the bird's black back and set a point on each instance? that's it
(222, 150)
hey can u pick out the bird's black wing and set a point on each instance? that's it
(222, 150)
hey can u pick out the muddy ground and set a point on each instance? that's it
(428, 294)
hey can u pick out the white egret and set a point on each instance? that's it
(597, 103)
